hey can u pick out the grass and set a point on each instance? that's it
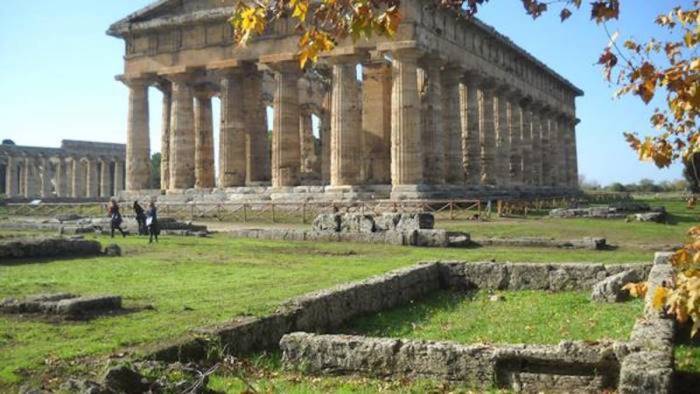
(535, 317)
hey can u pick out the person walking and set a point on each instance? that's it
(140, 218)
(115, 222)
(152, 222)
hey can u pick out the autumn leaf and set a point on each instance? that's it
(636, 290)
(659, 299)
(565, 14)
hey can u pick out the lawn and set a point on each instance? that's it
(535, 317)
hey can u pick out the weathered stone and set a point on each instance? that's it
(327, 222)
(524, 276)
(610, 289)
(656, 217)
(88, 305)
(567, 277)
(646, 372)
(48, 247)
(113, 250)
(486, 276)
(122, 379)
(357, 223)
(415, 221)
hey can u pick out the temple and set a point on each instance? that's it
(447, 108)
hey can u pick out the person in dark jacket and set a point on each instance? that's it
(140, 218)
(152, 222)
(115, 222)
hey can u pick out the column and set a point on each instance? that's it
(255, 118)
(232, 137)
(93, 186)
(546, 148)
(535, 138)
(573, 154)
(516, 141)
(563, 151)
(105, 178)
(406, 149)
(285, 131)
(22, 177)
(471, 137)
(68, 163)
(204, 140)
(433, 133)
(182, 137)
(526, 142)
(118, 176)
(31, 178)
(454, 169)
(78, 178)
(325, 132)
(376, 119)
(11, 181)
(346, 123)
(487, 129)
(307, 148)
(138, 145)
(502, 137)
(60, 177)
(45, 178)
(166, 88)
(553, 152)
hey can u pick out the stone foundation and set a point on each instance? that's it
(48, 247)
(63, 304)
(541, 242)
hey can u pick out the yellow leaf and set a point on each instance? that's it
(659, 299)
(636, 290)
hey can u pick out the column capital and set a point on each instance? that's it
(406, 54)
(136, 80)
(204, 91)
(346, 55)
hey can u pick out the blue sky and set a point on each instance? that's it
(57, 71)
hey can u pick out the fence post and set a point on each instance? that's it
(245, 213)
(273, 212)
(452, 210)
(303, 212)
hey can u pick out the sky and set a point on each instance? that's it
(57, 69)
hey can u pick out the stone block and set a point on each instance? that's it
(387, 221)
(528, 276)
(610, 288)
(575, 276)
(113, 250)
(357, 223)
(486, 276)
(88, 305)
(432, 238)
(415, 221)
(327, 222)
(646, 372)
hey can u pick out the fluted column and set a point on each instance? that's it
(516, 142)
(118, 176)
(573, 154)
(255, 118)
(182, 135)
(546, 148)
(285, 133)
(138, 145)
(406, 149)
(553, 151)
(232, 146)
(526, 142)
(166, 88)
(45, 178)
(105, 178)
(376, 119)
(471, 136)
(454, 169)
(204, 140)
(31, 178)
(92, 186)
(502, 137)
(11, 181)
(61, 178)
(536, 139)
(346, 139)
(307, 146)
(433, 132)
(325, 126)
(487, 128)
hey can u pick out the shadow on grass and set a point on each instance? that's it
(45, 260)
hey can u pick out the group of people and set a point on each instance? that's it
(147, 220)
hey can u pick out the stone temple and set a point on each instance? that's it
(76, 170)
(448, 108)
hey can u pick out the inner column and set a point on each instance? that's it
(471, 136)
(182, 138)
(376, 119)
(346, 140)
(285, 133)
(432, 122)
(204, 139)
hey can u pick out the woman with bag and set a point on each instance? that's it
(152, 222)
(115, 221)
(140, 218)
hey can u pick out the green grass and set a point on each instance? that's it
(522, 317)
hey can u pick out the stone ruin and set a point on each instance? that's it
(64, 305)
(304, 329)
(407, 229)
(631, 211)
(48, 247)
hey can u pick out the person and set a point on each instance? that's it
(115, 218)
(152, 222)
(140, 218)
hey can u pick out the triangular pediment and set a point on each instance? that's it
(164, 9)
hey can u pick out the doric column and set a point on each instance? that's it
(553, 149)
(11, 181)
(285, 133)
(166, 88)
(232, 138)
(346, 137)
(516, 142)
(325, 126)
(454, 169)
(526, 141)
(376, 119)
(432, 133)
(502, 136)
(573, 154)
(306, 138)
(255, 118)
(406, 149)
(105, 178)
(78, 182)
(182, 136)
(471, 137)
(118, 176)
(536, 138)
(138, 145)
(31, 178)
(204, 140)
(487, 128)
(45, 178)
(93, 186)
(61, 177)
(546, 148)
